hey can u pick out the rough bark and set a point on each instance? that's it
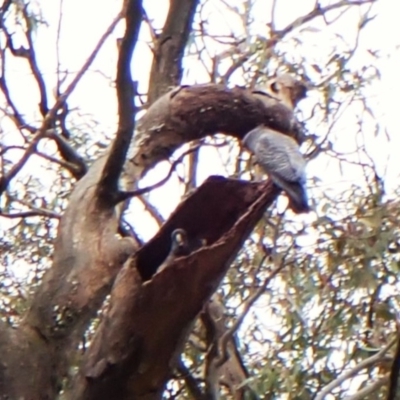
(87, 256)
(136, 345)
(88, 252)
(166, 70)
(193, 112)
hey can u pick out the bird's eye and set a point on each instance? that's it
(274, 87)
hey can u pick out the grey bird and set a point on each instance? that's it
(181, 246)
(280, 157)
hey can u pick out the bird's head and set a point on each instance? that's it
(288, 89)
(179, 237)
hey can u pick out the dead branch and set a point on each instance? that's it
(191, 113)
(316, 12)
(121, 360)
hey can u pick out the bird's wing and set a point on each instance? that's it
(279, 155)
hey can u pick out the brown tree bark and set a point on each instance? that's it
(89, 254)
(150, 312)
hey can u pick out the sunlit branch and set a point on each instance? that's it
(25, 214)
(368, 390)
(348, 374)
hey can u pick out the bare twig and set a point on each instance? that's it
(368, 390)
(152, 210)
(122, 196)
(5, 180)
(17, 117)
(317, 12)
(251, 300)
(348, 374)
(31, 57)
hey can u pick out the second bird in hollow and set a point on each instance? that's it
(280, 157)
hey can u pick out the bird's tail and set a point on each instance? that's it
(298, 199)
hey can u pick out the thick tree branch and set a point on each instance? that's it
(3, 9)
(51, 318)
(203, 110)
(166, 70)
